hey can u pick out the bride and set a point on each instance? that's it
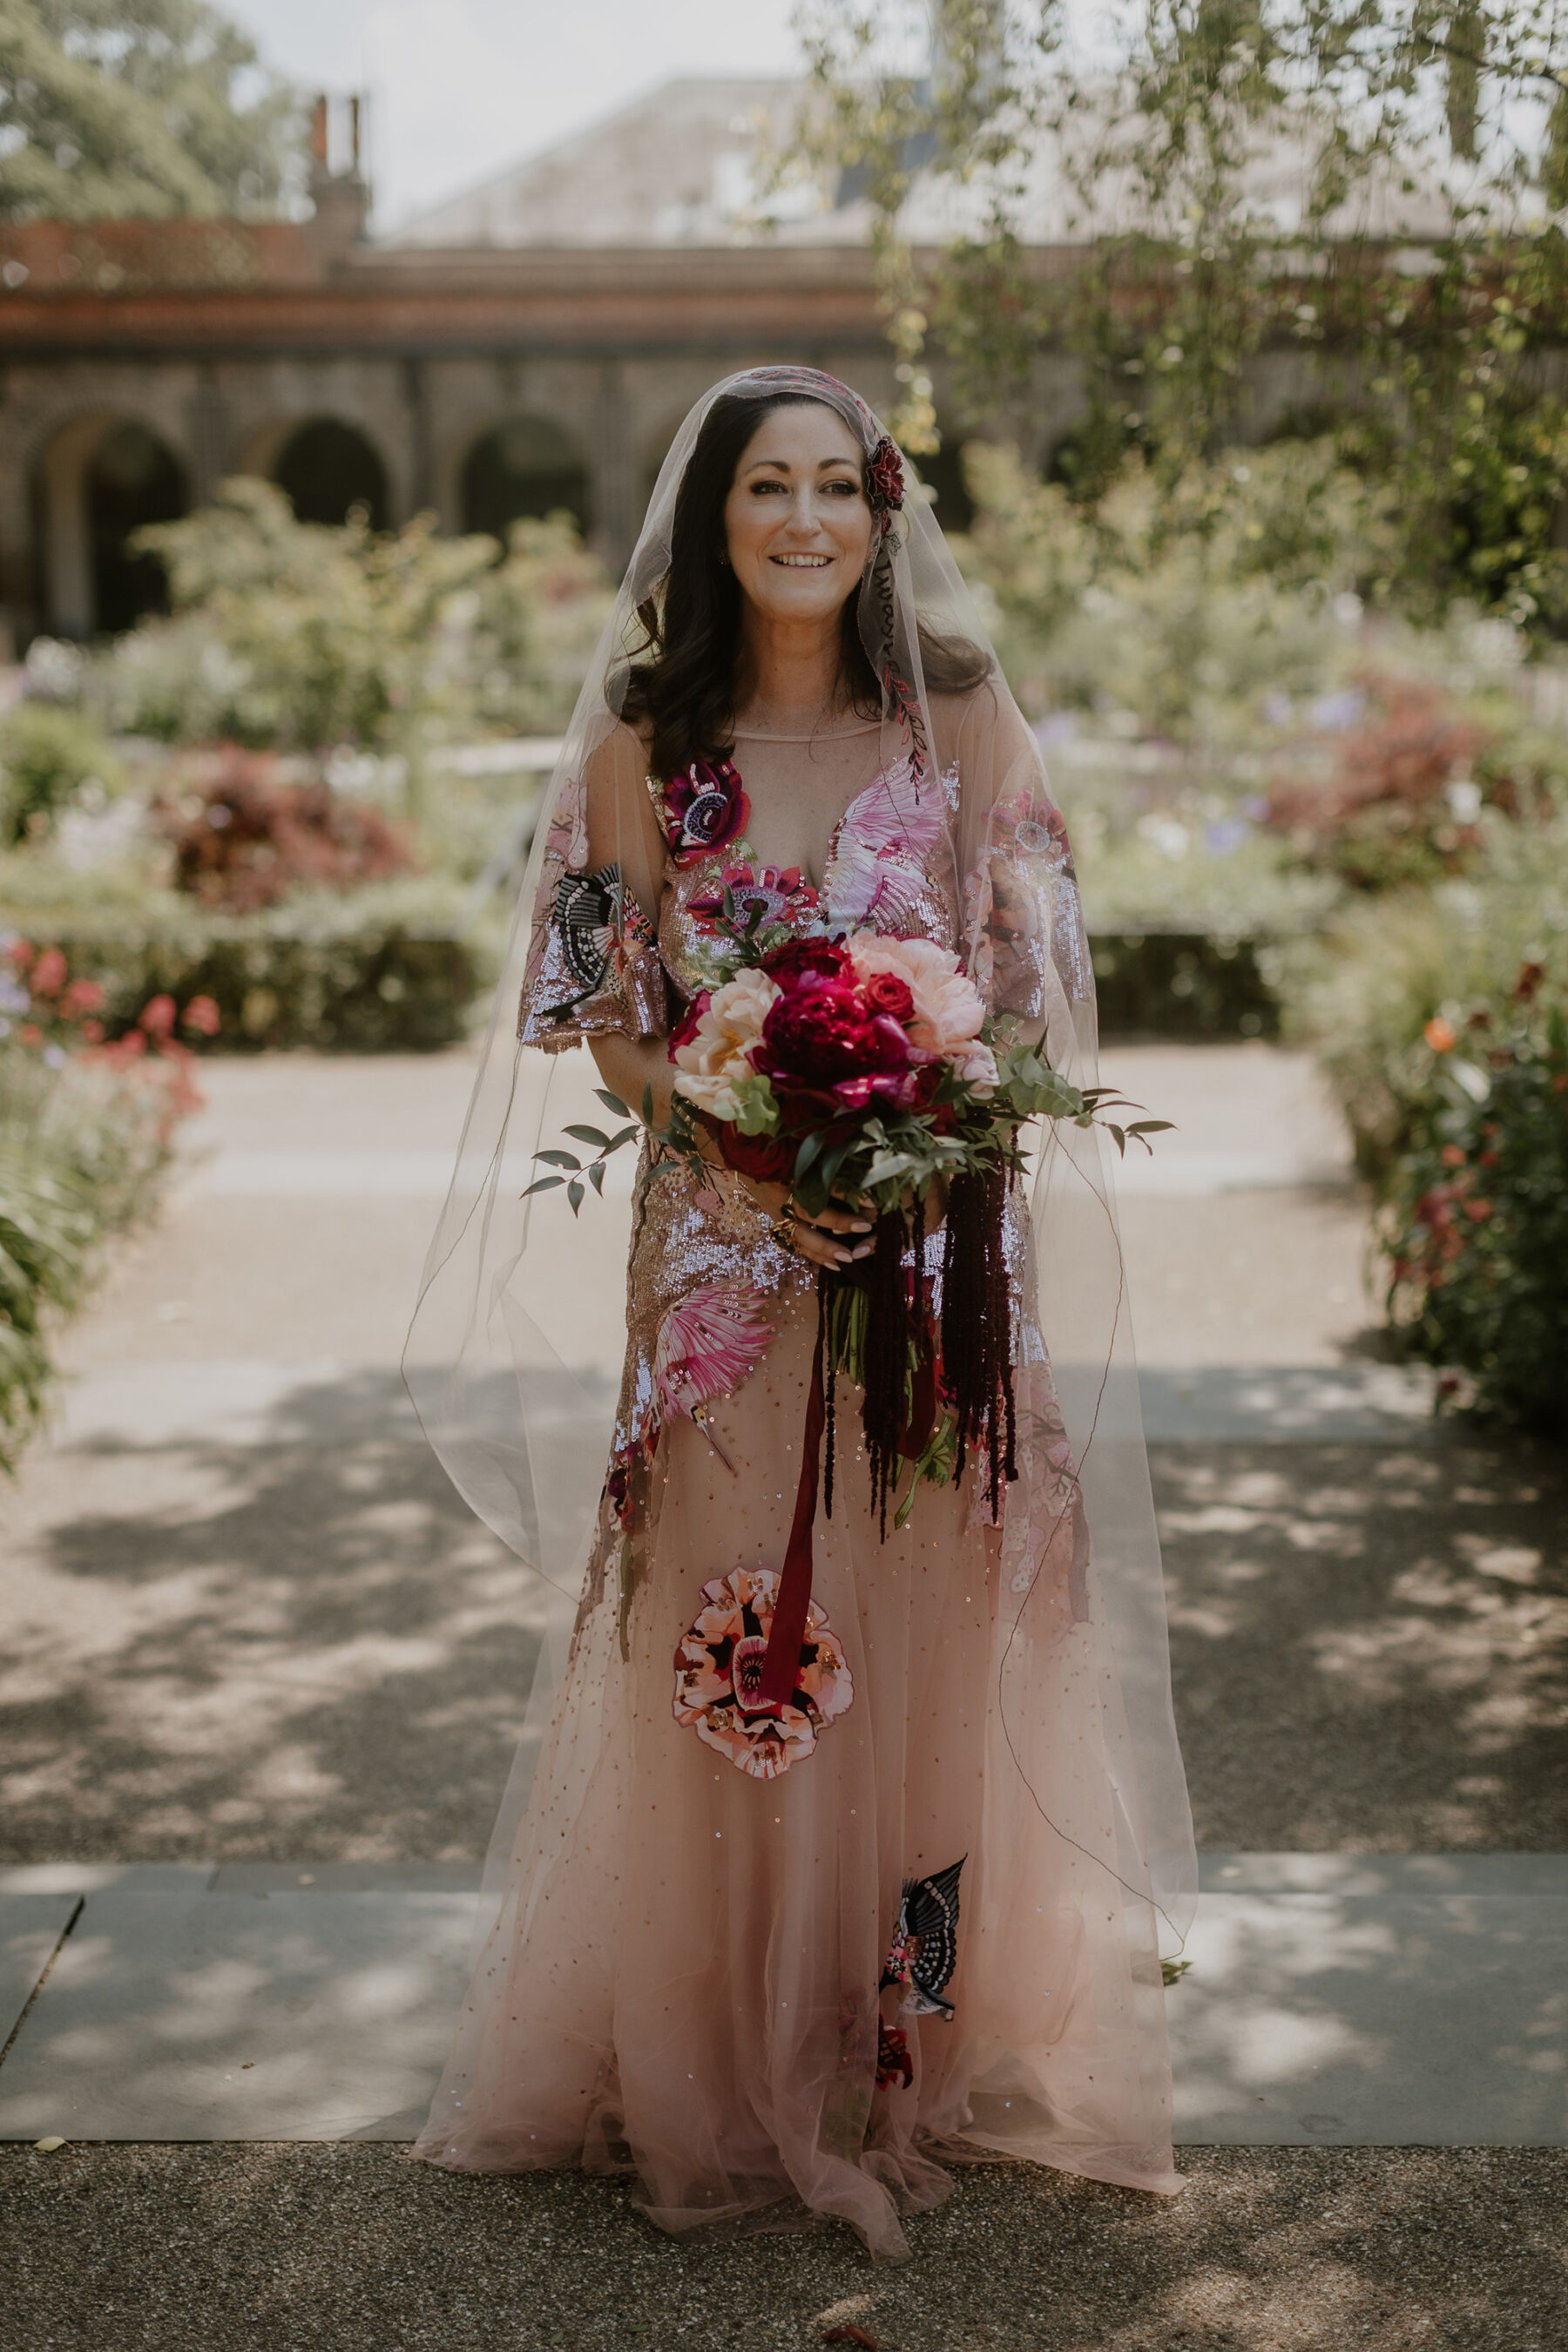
(923, 1920)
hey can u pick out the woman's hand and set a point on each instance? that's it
(833, 1239)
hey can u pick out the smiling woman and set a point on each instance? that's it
(757, 502)
(818, 1878)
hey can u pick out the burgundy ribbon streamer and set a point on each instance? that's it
(786, 1635)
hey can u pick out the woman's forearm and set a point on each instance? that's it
(629, 1065)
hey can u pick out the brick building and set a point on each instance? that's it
(531, 346)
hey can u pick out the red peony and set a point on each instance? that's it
(791, 962)
(707, 808)
(767, 1159)
(685, 1028)
(821, 1034)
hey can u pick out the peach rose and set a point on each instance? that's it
(715, 1053)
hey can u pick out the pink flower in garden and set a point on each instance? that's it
(81, 996)
(158, 1016)
(48, 974)
(708, 1343)
(1440, 1036)
(203, 1015)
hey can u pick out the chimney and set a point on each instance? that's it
(340, 197)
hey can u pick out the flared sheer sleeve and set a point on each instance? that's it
(594, 967)
(1023, 919)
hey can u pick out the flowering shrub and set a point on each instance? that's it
(1476, 1210)
(87, 1128)
(49, 759)
(243, 840)
(1399, 804)
(296, 635)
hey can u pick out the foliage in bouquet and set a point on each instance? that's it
(1475, 1217)
(863, 1068)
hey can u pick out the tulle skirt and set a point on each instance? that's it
(686, 1977)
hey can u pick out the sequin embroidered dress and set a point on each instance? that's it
(824, 1981)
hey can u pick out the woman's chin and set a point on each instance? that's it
(778, 601)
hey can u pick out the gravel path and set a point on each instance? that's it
(352, 2248)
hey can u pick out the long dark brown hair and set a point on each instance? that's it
(680, 688)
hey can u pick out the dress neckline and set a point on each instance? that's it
(812, 735)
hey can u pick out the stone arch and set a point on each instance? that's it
(525, 466)
(99, 480)
(326, 468)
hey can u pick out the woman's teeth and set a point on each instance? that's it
(807, 563)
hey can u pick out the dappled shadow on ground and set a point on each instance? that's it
(297, 1648)
(306, 1647)
(1370, 1645)
(1278, 2249)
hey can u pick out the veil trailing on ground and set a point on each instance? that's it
(514, 1355)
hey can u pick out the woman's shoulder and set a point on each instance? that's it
(621, 751)
(968, 720)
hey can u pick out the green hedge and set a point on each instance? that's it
(1180, 984)
(388, 968)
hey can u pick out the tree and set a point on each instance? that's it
(1193, 252)
(138, 109)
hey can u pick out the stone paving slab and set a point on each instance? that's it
(1375, 2000)
(31, 1926)
(1421, 2020)
(198, 2015)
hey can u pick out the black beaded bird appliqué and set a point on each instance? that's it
(924, 1950)
(589, 911)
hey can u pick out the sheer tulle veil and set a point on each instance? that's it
(514, 1354)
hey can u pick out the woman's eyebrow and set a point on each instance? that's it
(783, 466)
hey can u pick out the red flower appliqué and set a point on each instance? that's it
(895, 2067)
(705, 809)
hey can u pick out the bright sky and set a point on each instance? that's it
(460, 88)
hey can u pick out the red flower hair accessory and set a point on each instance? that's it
(885, 479)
